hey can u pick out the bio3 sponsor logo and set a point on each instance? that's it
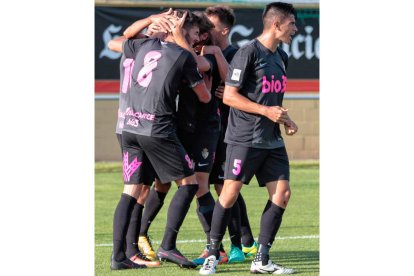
(274, 86)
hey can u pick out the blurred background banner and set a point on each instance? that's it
(111, 21)
(112, 17)
(209, 2)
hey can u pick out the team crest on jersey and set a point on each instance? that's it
(236, 75)
(205, 153)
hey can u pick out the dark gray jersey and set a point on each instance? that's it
(159, 67)
(260, 76)
(194, 115)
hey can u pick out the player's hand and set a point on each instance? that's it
(290, 127)
(277, 114)
(154, 29)
(177, 25)
(165, 20)
(219, 92)
(169, 12)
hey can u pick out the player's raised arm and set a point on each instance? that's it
(134, 31)
(163, 20)
(116, 44)
(222, 64)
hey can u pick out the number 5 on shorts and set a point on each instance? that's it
(237, 166)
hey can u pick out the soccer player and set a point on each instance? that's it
(223, 19)
(149, 133)
(239, 228)
(199, 128)
(152, 198)
(157, 194)
(255, 85)
(131, 251)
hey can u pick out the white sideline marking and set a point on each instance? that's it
(203, 241)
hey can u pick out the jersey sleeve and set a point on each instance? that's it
(190, 70)
(239, 67)
(130, 46)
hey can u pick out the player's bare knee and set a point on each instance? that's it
(133, 190)
(202, 189)
(162, 187)
(187, 180)
(143, 195)
(227, 201)
(228, 197)
(286, 195)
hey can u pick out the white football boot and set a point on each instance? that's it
(270, 268)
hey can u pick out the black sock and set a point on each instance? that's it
(215, 248)
(262, 254)
(246, 231)
(153, 205)
(177, 211)
(235, 226)
(219, 223)
(270, 223)
(205, 208)
(133, 231)
(122, 216)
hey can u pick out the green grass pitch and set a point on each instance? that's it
(296, 244)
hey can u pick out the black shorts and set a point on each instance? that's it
(136, 168)
(166, 156)
(242, 163)
(201, 147)
(217, 173)
(147, 178)
(119, 137)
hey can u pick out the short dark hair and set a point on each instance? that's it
(224, 13)
(278, 9)
(205, 24)
(191, 20)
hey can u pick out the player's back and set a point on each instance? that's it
(158, 69)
